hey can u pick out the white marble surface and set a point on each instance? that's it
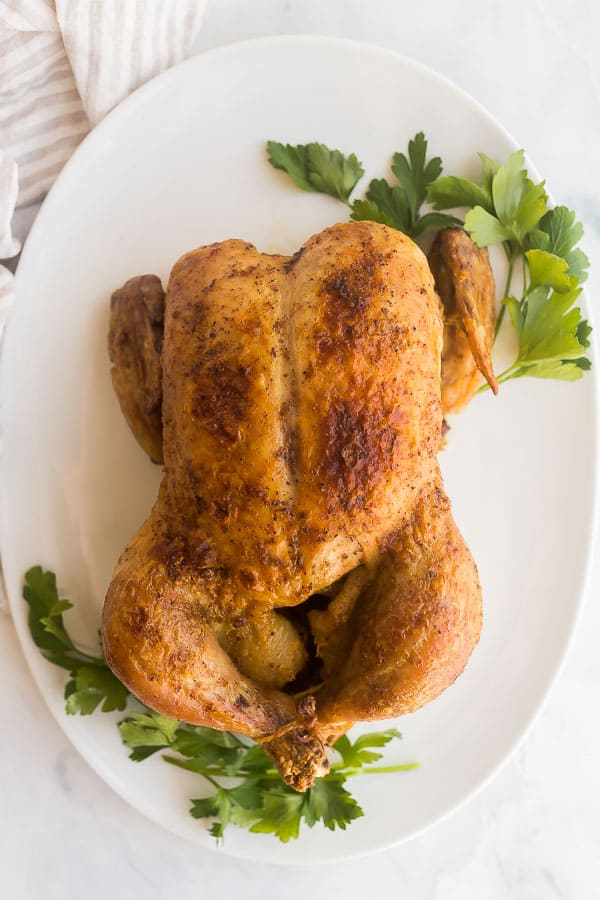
(534, 832)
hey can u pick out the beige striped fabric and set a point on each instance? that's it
(63, 66)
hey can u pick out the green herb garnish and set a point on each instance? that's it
(314, 167)
(91, 682)
(247, 789)
(511, 210)
(506, 208)
(259, 799)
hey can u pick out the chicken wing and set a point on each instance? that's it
(134, 345)
(465, 282)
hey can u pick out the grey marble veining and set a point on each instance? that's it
(533, 833)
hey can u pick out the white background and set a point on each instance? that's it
(533, 833)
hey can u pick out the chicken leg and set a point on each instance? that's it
(416, 624)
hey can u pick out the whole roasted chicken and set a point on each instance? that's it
(301, 569)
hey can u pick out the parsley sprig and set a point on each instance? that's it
(91, 681)
(247, 789)
(314, 167)
(506, 208)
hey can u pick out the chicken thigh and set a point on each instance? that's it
(301, 569)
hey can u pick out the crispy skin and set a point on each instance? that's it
(134, 345)
(301, 422)
(465, 282)
(416, 624)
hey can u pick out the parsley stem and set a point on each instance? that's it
(509, 275)
(98, 660)
(503, 376)
(208, 773)
(267, 774)
(499, 320)
(509, 373)
(374, 770)
(75, 652)
(239, 743)
(212, 780)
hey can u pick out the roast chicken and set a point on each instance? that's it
(301, 569)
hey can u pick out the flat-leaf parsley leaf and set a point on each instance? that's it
(314, 167)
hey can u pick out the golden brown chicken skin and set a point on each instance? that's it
(465, 282)
(301, 423)
(135, 345)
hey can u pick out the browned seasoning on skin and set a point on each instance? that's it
(358, 445)
(220, 399)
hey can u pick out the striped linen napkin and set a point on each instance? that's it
(63, 66)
